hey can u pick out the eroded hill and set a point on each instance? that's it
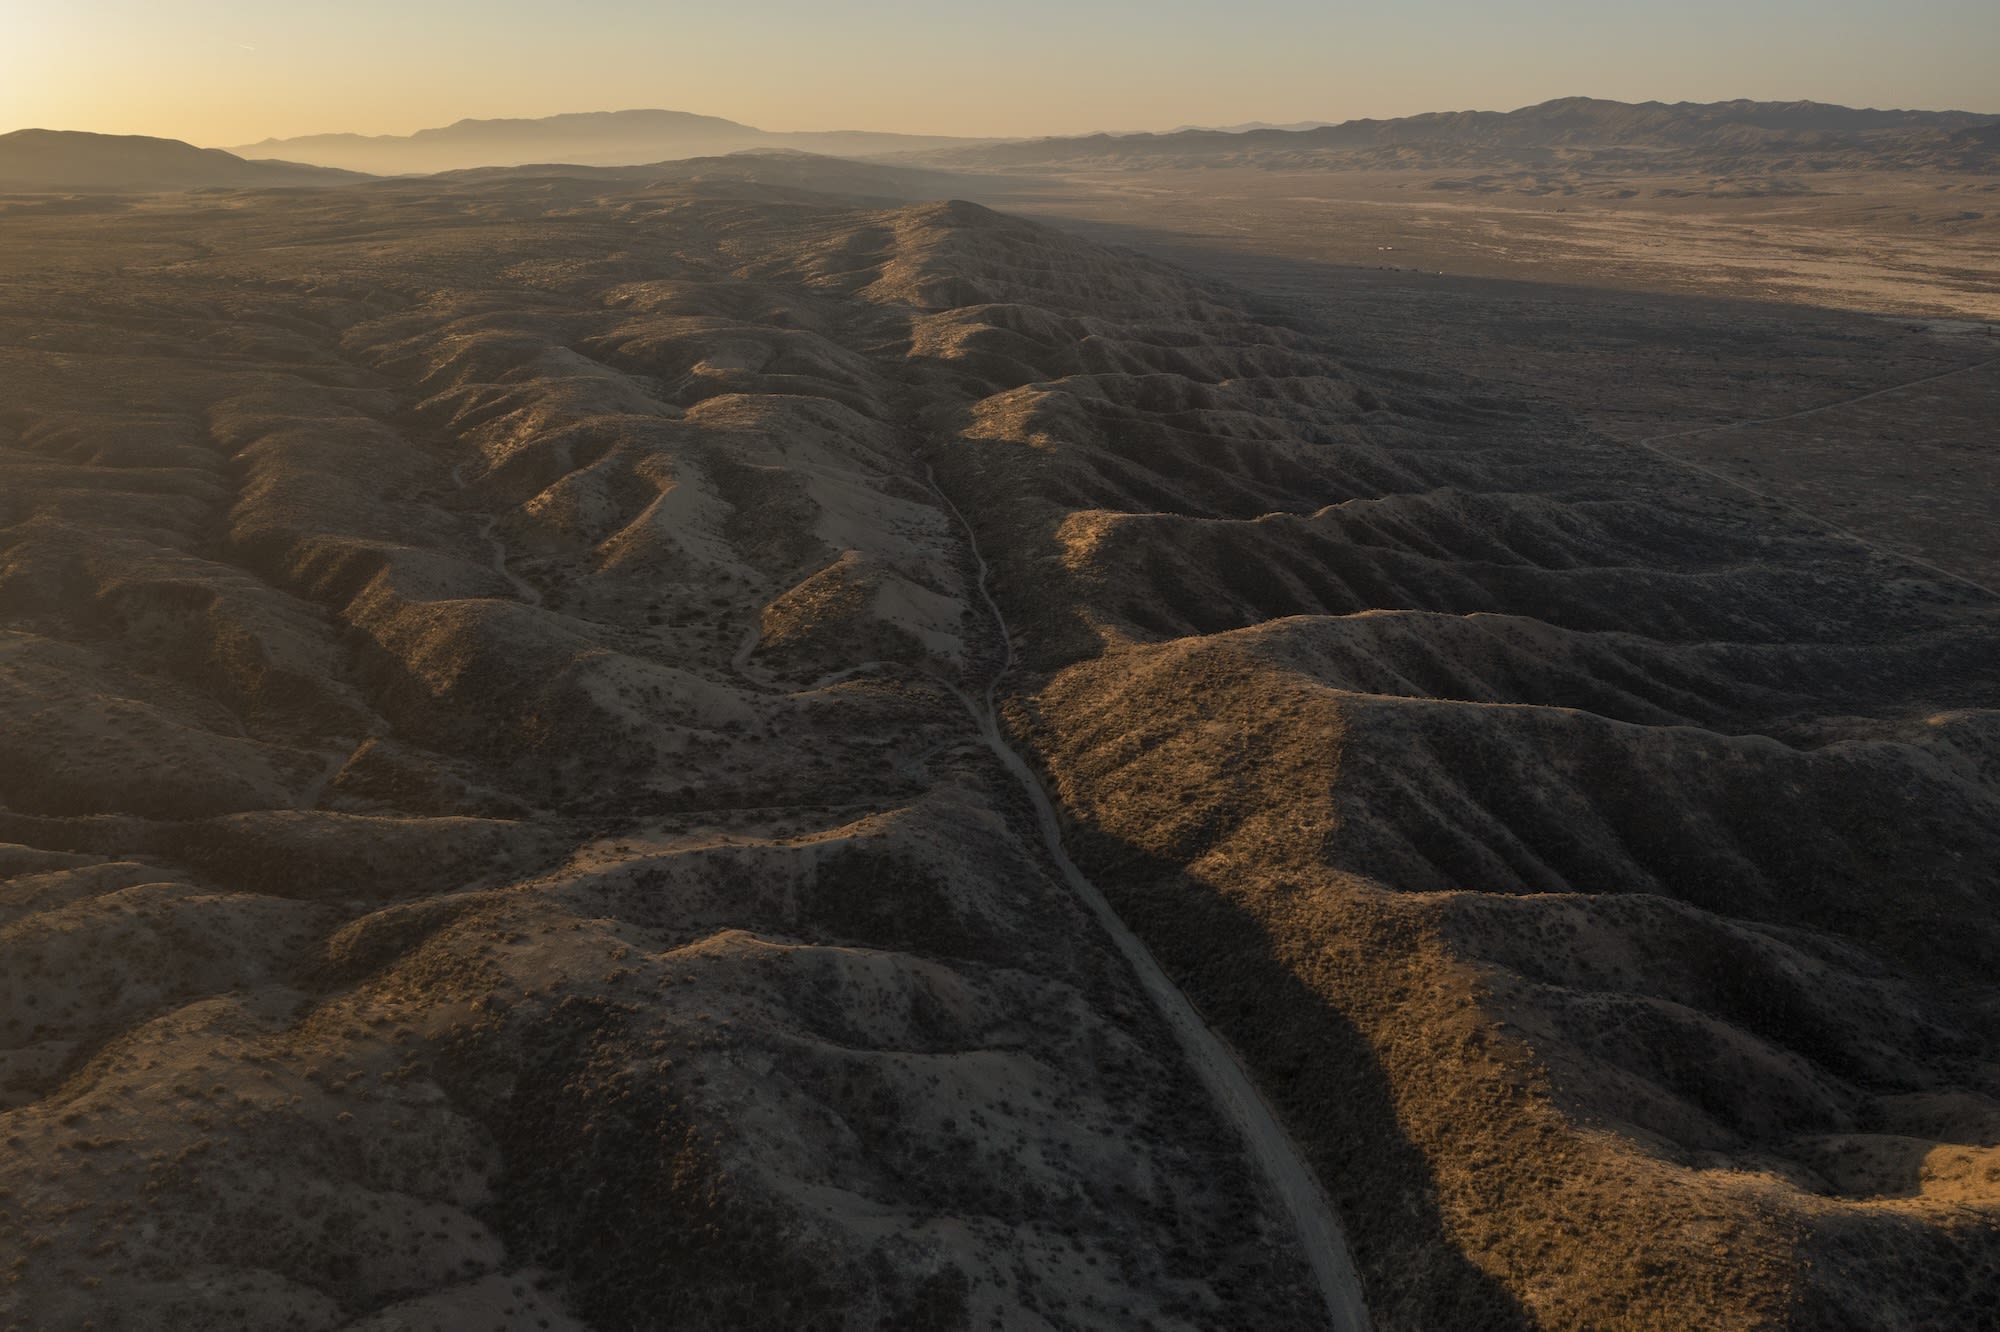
(499, 821)
(456, 865)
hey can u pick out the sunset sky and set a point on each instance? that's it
(222, 72)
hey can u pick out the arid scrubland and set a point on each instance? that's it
(497, 821)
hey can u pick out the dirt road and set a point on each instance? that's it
(1278, 1158)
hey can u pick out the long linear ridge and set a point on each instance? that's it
(1278, 1158)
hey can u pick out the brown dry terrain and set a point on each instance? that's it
(1911, 243)
(455, 867)
(1836, 349)
(500, 825)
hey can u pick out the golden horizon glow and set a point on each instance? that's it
(228, 73)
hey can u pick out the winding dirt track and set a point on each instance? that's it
(497, 549)
(1277, 1156)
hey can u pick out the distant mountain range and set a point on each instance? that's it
(594, 138)
(1574, 131)
(40, 159)
(1571, 131)
(1249, 125)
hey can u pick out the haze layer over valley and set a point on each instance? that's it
(601, 750)
(591, 138)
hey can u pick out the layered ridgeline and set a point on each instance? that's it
(501, 824)
(40, 162)
(58, 160)
(1582, 133)
(595, 138)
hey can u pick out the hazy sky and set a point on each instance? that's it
(231, 71)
